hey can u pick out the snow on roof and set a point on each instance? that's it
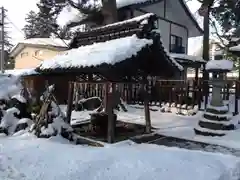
(223, 64)
(123, 3)
(21, 72)
(142, 18)
(46, 41)
(53, 42)
(235, 48)
(187, 57)
(109, 52)
(180, 67)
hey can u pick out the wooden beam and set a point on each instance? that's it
(76, 94)
(70, 102)
(145, 89)
(111, 118)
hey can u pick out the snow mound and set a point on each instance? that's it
(25, 120)
(9, 86)
(20, 98)
(55, 127)
(9, 121)
(187, 57)
(34, 159)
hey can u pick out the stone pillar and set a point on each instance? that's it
(218, 84)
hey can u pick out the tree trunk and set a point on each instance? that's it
(206, 53)
(109, 11)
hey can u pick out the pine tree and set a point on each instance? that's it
(47, 18)
(30, 29)
(44, 23)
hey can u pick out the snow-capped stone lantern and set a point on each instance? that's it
(216, 120)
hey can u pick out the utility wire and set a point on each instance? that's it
(24, 34)
(19, 30)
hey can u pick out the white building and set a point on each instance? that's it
(175, 21)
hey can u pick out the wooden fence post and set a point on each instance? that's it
(70, 101)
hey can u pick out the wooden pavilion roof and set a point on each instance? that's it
(151, 59)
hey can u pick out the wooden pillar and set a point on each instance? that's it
(196, 85)
(129, 88)
(196, 74)
(111, 119)
(236, 98)
(70, 101)
(76, 95)
(106, 91)
(145, 86)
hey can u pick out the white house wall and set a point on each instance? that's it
(164, 27)
(173, 20)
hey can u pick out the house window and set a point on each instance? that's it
(218, 57)
(38, 53)
(176, 45)
(24, 54)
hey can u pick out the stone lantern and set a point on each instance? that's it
(216, 120)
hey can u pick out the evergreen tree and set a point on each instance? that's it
(47, 18)
(44, 23)
(30, 29)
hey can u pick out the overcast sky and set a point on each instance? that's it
(17, 10)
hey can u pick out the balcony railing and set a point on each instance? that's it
(177, 49)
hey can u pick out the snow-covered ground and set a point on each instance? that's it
(171, 124)
(27, 158)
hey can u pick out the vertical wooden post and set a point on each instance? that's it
(106, 91)
(70, 101)
(76, 95)
(195, 85)
(236, 98)
(146, 105)
(111, 118)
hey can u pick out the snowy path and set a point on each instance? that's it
(28, 158)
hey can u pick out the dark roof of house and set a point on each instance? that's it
(149, 59)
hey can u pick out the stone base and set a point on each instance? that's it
(216, 126)
(198, 132)
(215, 117)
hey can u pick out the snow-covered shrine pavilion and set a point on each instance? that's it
(125, 52)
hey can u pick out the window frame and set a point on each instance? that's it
(24, 54)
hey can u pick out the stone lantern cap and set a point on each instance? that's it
(219, 66)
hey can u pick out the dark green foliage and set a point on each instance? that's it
(227, 14)
(31, 28)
